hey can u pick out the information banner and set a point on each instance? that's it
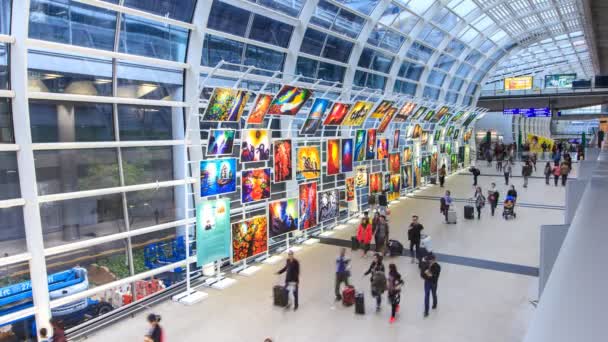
(559, 80)
(518, 83)
(212, 231)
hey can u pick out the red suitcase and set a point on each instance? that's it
(348, 296)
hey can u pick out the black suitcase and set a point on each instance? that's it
(354, 243)
(469, 212)
(280, 295)
(395, 247)
(359, 303)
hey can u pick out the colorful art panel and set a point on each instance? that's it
(468, 134)
(218, 176)
(419, 113)
(226, 105)
(424, 137)
(425, 166)
(396, 137)
(437, 135)
(289, 100)
(283, 161)
(382, 148)
(308, 205)
(255, 185)
(347, 155)
(456, 134)
(404, 112)
(337, 114)
(313, 121)
(394, 163)
(255, 145)
(441, 113)
(417, 178)
(395, 183)
(350, 189)
(282, 216)
(458, 116)
(469, 119)
(361, 176)
(444, 120)
(417, 132)
(357, 114)
(407, 155)
(454, 162)
(212, 231)
(261, 106)
(220, 142)
(386, 119)
(333, 156)
(375, 183)
(406, 180)
(386, 181)
(370, 145)
(309, 162)
(329, 205)
(382, 109)
(434, 162)
(429, 115)
(449, 132)
(360, 144)
(249, 238)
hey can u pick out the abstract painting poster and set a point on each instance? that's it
(249, 238)
(255, 145)
(337, 114)
(386, 120)
(308, 162)
(396, 137)
(434, 162)
(382, 109)
(361, 176)
(218, 176)
(404, 112)
(283, 216)
(375, 183)
(358, 113)
(333, 156)
(407, 155)
(350, 189)
(308, 205)
(261, 106)
(370, 146)
(382, 148)
(226, 105)
(289, 100)
(394, 163)
(329, 205)
(282, 157)
(220, 142)
(360, 144)
(313, 122)
(255, 185)
(347, 155)
(212, 231)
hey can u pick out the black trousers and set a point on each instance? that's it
(415, 244)
(564, 179)
(429, 288)
(556, 179)
(478, 213)
(341, 277)
(474, 179)
(493, 207)
(445, 212)
(441, 181)
(506, 179)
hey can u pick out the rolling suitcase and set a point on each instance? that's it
(451, 216)
(359, 304)
(348, 296)
(280, 295)
(395, 247)
(469, 212)
(354, 243)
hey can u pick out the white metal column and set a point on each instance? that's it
(25, 161)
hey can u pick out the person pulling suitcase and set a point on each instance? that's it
(342, 272)
(292, 277)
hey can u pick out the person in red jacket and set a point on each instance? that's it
(364, 235)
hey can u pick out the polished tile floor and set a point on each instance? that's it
(476, 302)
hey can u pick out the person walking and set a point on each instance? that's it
(533, 160)
(489, 157)
(526, 172)
(564, 171)
(430, 274)
(377, 279)
(292, 277)
(493, 198)
(413, 234)
(556, 173)
(342, 272)
(155, 334)
(446, 202)
(364, 235)
(600, 138)
(499, 158)
(507, 172)
(480, 201)
(442, 173)
(394, 290)
(381, 234)
(59, 331)
(548, 171)
(475, 171)
(382, 203)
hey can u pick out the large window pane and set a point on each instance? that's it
(70, 74)
(216, 49)
(146, 122)
(264, 58)
(149, 82)
(331, 72)
(5, 16)
(174, 9)
(270, 31)
(307, 67)
(456, 84)
(291, 8)
(82, 218)
(313, 41)
(147, 164)
(4, 69)
(365, 7)
(405, 87)
(419, 52)
(451, 97)
(348, 24)
(56, 121)
(431, 93)
(148, 38)
(414, 72)
(71, 22)
(151, 207)
(228, 18)
(12, 233)
(60, 171)
(9, 176)
(436, 78)
(455, 47)
(337, 49)
(6, 122)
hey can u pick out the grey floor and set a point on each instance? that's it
(487, 282)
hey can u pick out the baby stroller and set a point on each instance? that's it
(509, 208)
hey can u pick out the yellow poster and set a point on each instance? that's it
(358, 113)
(536, 143)
(518, 83)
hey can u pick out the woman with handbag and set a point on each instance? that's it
(480, 201)
(394, 290)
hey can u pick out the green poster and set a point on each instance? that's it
(212, 231)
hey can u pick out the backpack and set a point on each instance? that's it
(379, 282)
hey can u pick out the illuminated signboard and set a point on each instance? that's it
(559, 81)
(518, 83)
(528, 112)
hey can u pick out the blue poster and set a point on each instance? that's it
(212, 231)
(218, 176)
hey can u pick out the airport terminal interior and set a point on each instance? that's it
(303, 170)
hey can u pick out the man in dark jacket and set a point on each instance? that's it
(526, 172)
(413, 234)
(292, 277)
(430, 274)
(475, 171)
